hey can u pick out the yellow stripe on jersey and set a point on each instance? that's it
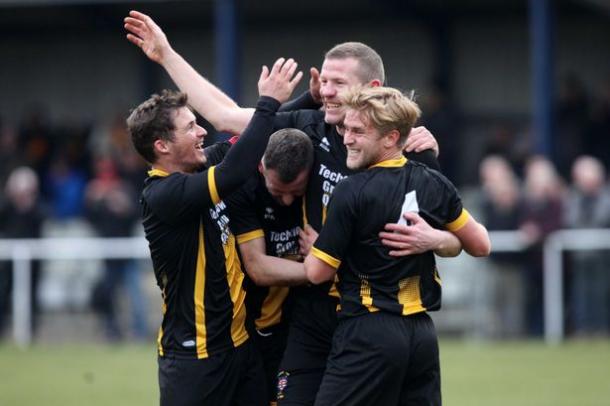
(235, 278)
(160, 334)
(333, 288)
(251, 235)
(409, 295)
(365, 296)
(324, 257)
(212, 185)
(458, 223)
(159, 338)
(271, 312)
(304, 210)
(437, 277)
(324, 209)
(391, 163)
(158, 172)
(199, 294)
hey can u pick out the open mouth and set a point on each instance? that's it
(199, 146)
(332, 105)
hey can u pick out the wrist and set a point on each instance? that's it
(168, 57)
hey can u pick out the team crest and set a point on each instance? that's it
(282, 382)
(269, 215)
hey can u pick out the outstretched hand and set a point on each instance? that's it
(421, 139)
(280, 82)
(415, 238)
(147, 35)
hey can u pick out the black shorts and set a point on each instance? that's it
(383, 359)
(313, 322)
(271, 343)
(233, 377)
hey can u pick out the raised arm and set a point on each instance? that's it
(241, 161)
(208, 100)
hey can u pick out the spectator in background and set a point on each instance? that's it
(21, 216)
(36, 139)
(65, 185)
(441, 119)
(9, 152)
(501, 206)
(599, 138)
(588, 206)
(514, 147)
(110, 206)
(573, 122)
(542, 214)
(110, 138)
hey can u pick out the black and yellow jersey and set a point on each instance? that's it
(369, 278)
(256, 214)
(193, 252)
(314, 306)
(195, 263)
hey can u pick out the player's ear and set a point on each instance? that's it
(161, 146)
(391, 139)
(375, 83)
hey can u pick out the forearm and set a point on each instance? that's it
(208, 100)
(266, 270)
(243, 157)
(448, 245)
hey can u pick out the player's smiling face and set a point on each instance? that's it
(362, 140)
(186, 149)
(336, 76)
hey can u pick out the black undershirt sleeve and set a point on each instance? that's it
(303, 102)
(242, 159)
(426, 157)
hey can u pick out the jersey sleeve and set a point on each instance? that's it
(337, 232)
(300, 119)
(180, 197)
(245, 224)
(215, 153)
(442, 205)
(242, 158)
(304, 102)
(426, 157)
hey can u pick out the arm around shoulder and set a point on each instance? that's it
(265, 270)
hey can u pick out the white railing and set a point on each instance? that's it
(22, 251)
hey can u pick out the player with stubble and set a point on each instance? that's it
(385, 349)
(204, 352)
(314, 315)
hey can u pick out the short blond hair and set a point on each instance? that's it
(385, 108)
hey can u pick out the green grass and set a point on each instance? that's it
(526, 373)
(515, 373)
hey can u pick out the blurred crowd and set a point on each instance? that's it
(61, 179)
(74, 180)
